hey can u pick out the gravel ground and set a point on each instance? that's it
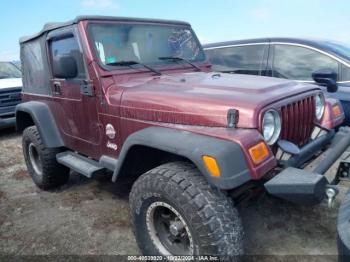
(89, 217)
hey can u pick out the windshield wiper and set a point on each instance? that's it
(130, 63)
(176, 59)
(228, 71)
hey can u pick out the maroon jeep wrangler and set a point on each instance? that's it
(137, 98)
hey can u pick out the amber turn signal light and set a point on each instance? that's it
(212, 166)
(259, 152)
(336, 111)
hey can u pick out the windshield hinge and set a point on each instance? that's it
(87, 88)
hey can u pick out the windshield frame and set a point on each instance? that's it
(14, 66)
(161, 65)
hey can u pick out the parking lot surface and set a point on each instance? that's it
(90, 217)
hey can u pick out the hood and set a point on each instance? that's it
(202, 98)
(10, 82)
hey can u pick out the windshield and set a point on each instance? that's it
(144, 43)
(8, 70)
(341, 48)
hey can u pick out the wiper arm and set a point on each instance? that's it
(176, 59)
(228, 71)
(130, 63)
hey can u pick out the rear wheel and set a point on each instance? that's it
(41, 161)
(175, 211)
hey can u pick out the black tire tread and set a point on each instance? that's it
(54, 174)
(211, 212)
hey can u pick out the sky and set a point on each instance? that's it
(212, 20)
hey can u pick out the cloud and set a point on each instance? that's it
(99, 4)
(9, 56)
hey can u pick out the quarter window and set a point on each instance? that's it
(294, 62)
(238, 59)
(345, 73)
(67, 46)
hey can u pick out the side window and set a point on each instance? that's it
(239, 59)
(295, 62)
(67, 46)
(35, 68)
(345, 73)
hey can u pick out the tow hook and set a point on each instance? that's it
(331, 192)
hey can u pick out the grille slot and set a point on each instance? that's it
(298, 121)
(10, 97)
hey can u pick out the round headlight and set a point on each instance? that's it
(319, 102)
(271, 126)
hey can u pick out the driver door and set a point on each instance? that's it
(75, 102)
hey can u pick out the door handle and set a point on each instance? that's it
(57, 88)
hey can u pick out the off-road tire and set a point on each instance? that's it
(212, 219)
(52, 174)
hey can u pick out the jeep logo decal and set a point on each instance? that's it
(112, 145)
(110, 132)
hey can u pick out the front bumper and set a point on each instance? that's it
(7, 116)
(299, 156)
(309, 187)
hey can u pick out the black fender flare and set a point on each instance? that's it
(43, 120)
(229, 155)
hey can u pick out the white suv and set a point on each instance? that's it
(10, 92)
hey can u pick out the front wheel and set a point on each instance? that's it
(175, 211)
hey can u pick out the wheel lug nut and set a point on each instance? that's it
(176, 228)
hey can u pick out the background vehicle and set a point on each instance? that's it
(136, 97)
(10, 93)
(288, 58)
(343, 230)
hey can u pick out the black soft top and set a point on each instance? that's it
(51, 26)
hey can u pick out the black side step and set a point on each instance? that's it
(80, 164)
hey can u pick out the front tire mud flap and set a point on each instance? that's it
(298, 186)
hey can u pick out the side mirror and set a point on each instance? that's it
(65, 67)
(326, 77)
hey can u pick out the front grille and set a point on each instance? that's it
(10, 97)
(298, 121)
